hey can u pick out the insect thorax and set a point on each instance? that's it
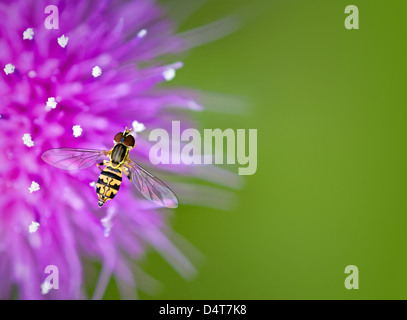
(119, 153)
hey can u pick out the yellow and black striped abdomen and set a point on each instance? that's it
(108, 184)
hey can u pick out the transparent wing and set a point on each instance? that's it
(73, 159)
(151, 187)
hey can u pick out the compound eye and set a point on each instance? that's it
(118, 137)
(129, 141)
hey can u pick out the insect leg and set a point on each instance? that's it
(104, 163)
(127, 172)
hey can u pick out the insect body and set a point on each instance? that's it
(108, 184)
(110, 178)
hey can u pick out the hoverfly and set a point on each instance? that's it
(111, 176)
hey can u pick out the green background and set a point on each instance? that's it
(330, 108)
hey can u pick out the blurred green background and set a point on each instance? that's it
(330, 108)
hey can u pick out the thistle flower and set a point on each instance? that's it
(77, 86)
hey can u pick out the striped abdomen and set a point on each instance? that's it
(108, 183)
